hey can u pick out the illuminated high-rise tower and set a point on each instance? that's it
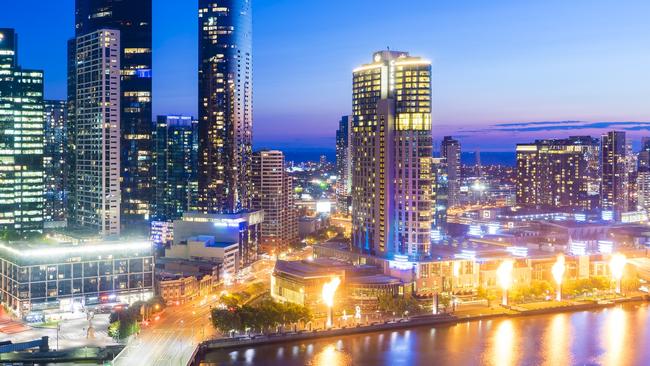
(225, 105)
(614, 181)
(343, 166)
(21, 143)
(392, 152)
(133, 19)
(558, 173)
(450, 150)
(97, 136)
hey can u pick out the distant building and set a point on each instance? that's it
(392, 150)
(643, 189)
(21, 142)
(560, 173)
(450, 150)
(175, 167)
(614, 193)
(440, 194)
(97, 133)
(272, 192)
(225, 105)
(344, 166)
(54, 161)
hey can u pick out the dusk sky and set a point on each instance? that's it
(494, 62)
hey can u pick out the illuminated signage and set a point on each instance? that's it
(400, 262)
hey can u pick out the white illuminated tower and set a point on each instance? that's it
(97, 137)
(392, 155)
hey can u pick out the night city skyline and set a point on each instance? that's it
(545, 65)
(326, 183)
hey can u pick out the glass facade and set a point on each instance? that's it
(175, 160)
(56, 140)
(225, 105)
(40, 278)
(21, 143)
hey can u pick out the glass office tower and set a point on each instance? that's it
(21, 143)
(225, 105)
(175, 165)
(56, 142)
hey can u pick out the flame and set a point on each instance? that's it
(558, 269)
(617, 265)
(329, 289)
(504, 274)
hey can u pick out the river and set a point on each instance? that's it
(614, 336)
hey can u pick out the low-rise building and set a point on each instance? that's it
(62, 277)
(211, 235)
(301, 282)
(205, 248)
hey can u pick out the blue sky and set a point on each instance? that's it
(497, 61)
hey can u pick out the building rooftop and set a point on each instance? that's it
(47, 251)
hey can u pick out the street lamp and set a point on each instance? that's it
(504, 277)
(616, 267)
(329, 289)
(558, 272)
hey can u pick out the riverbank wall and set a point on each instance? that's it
(417, 321)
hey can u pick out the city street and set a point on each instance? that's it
(172, 339)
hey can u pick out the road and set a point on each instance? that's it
(172, 339)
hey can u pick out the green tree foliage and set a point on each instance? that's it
(586, 285)
(263, 316)
(398, 304)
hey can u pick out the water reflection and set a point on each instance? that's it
(503, 344)
(616, 336)
(557, 340)
(331, 356)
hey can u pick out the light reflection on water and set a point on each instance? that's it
(614, 336)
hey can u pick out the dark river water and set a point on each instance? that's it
(613, 336)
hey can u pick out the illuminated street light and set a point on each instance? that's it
(504, 277)
(329, 289)
(616, 267)
(558, 273)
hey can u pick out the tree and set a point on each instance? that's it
(397, 304)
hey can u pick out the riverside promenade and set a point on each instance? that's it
(415, 321)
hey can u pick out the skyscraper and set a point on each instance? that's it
(175, 166)
(225, 105)
(450, 150)
(133, 19)
(613, 188)
(392, 155)
(440, 195)
(343, 166)
(97, 136)
(560, 173)
(21, 143)
(55, 160)
(272, 191)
